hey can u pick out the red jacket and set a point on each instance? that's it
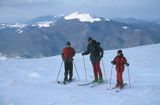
(120, 62)
(68, 54)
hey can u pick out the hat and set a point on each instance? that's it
(68, 43)
(89, 38)
(119, 51)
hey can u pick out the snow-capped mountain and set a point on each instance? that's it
(32, 81)
(18, 26)
(43, 24)
(47, 35)
(44, 18)
(82, 17)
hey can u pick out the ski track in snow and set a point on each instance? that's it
(32, 81)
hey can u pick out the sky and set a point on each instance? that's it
(140, 9)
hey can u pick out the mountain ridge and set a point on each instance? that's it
(48, 37)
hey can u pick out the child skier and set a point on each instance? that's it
(120, 61)
(67, 56)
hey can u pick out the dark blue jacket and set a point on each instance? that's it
(95, 51)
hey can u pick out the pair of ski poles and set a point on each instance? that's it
(61, 69)
(128, 76)
(77, 71)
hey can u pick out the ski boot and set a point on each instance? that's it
(100, 80)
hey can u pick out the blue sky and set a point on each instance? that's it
(140, 9)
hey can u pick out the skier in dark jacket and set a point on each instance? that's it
(96, 53)
(120, 61)
(67, 56)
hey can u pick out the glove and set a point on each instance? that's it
(62, 58)
(127, 64)
(113, 62)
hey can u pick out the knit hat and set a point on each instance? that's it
(68, 43)
(119, 51)
(90, 38)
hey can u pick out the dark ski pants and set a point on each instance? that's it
(97, 70)
(68, 70)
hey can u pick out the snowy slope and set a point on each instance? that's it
(32, 81)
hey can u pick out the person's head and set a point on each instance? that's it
(119, 53)
(68, 44)
(90, 40)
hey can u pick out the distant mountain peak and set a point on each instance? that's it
(43, 24)
(83, 17)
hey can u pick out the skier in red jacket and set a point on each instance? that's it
(67, 56)
(120, 62)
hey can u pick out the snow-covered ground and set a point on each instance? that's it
(32, 81)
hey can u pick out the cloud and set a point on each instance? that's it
(24, 3)
(104, 8)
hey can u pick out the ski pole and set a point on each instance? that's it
(85, 67)
(111, 76)
(104, 70)
(129, 77)
(59, 71)
(76, 70)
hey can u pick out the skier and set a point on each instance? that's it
(120, 61)
(67, 56)
(96, 53)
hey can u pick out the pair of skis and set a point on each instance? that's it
(92, 84)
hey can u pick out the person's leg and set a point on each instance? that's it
(118, 79)
(99, 71)
(95, 72)
(66, 71)
(70, 70)
(121, 79)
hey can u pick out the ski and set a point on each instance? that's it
(85, 84)
(98, 84)
(119, 89)
(60, 82)
(66, 82)
(111, 88)
(93, 84)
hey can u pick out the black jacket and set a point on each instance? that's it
(95, 51)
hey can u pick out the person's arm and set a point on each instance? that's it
(62, 55)
(125, 62)
(74, 52)
(87, 51)
(114, 61)
(101, 51)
